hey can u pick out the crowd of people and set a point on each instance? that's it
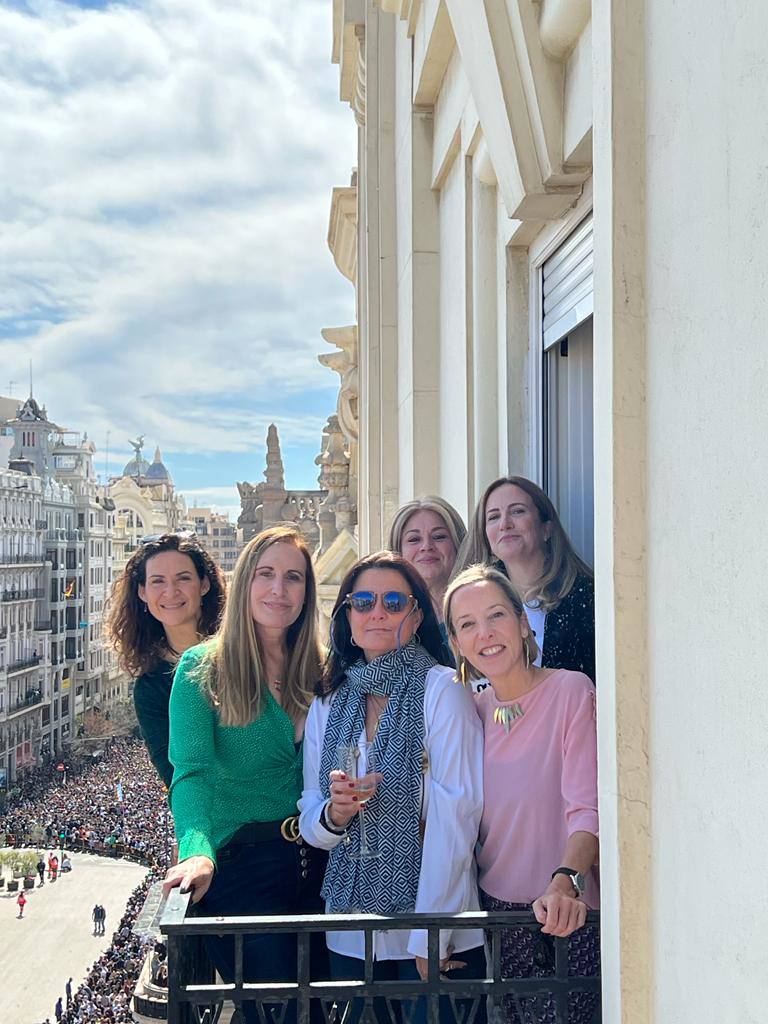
(117, 804)
(113, 805)
(349, 771)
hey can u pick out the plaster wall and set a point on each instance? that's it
(707, 367)
(455, 428)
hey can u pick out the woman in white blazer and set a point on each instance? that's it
(384, 693)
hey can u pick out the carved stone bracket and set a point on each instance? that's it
(344, 362)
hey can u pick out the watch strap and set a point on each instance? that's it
(573, 876)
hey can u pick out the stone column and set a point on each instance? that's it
(621, 535)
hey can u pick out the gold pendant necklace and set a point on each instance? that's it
(505, 716)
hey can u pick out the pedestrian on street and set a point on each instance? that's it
(54, 865)
(58, 1009)
(95, 918)
(41, 870)
(68, 991)
(50, 866)
(102, 919)
(22, 902)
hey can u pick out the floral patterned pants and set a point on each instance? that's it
(529, 954)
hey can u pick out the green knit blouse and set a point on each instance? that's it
(226, 776)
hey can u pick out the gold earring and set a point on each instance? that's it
(527, 650)
(463, 672)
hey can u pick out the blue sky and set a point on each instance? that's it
(167, 174)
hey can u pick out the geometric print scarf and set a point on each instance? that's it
(389, 884)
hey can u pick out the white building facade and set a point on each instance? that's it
(560, 270)
(24, 647)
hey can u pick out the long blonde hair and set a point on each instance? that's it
(484, 573)
(561, 563)
(233, 670)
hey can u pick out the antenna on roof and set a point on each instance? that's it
(31, 394)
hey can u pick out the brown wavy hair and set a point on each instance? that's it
(561, 563)
(137, 636)
(232, 669)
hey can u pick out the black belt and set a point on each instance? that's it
(265, 831)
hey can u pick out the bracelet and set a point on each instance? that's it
(328, 825)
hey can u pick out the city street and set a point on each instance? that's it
(55, 938)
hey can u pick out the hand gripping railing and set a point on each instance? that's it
(194, 997)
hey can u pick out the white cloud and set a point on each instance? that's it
(224, 500)
(165, 194)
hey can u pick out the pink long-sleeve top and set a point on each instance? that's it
(540, 786)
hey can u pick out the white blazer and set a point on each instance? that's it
(452, 805)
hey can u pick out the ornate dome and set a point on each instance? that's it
(136, 467)
(157, 471)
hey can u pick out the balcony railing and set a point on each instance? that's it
(62, 535)
(24, 703)
(44, 626)
(192, 991)
(22, 664)
(37, 559)
(22, 595)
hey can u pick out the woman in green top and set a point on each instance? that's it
(169, 598)
(238, 708)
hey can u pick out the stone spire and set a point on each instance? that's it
(274, 474)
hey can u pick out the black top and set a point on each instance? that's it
(151, 694)
(569, 630)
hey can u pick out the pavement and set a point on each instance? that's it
(54, 940)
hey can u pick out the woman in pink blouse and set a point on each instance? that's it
(538, 835)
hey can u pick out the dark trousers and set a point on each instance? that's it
(266, 878)
(349, 968)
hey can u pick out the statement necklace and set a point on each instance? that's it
(506, 715)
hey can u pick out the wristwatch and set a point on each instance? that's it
(578, 881)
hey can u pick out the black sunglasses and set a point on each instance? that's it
(392, 601)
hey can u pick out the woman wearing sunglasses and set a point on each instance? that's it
(238, 709)
(411, 849)
(169, 598)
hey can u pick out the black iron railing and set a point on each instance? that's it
(195, 998)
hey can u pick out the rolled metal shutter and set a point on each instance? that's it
(567, 285)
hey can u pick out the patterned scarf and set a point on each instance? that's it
(389, 884)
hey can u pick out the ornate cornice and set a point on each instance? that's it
(406, 10)
(342, 231)
(349, 53)
(518, 91)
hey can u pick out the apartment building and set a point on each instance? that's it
(218, 536)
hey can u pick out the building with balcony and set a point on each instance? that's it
(146, 503)
(25, 683)
(218, 536)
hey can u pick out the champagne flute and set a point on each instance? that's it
(357, 761)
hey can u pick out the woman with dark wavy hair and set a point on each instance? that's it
(416, 741)
(169, 598)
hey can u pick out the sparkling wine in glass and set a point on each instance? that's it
(358, 763)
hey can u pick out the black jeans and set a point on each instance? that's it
(349, 968)
(272, 877)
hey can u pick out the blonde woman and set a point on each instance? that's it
(516, 528)
(237, 714)
(428, 533)
(538, 834)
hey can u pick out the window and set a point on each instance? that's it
(567, 449)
